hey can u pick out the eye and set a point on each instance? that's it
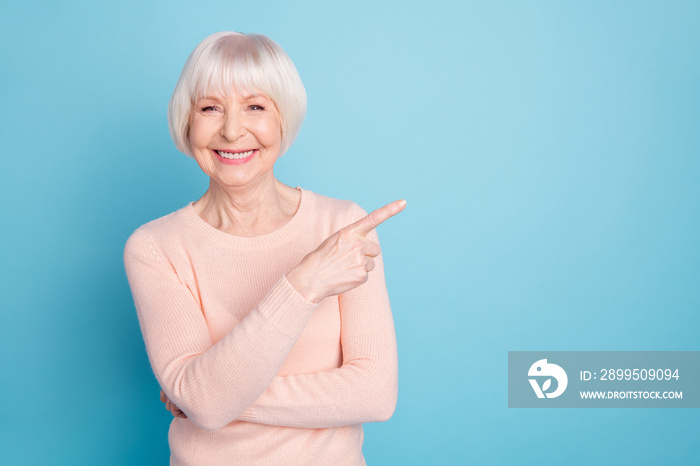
(209, 108)
(256, 107)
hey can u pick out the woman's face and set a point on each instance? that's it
(235, 139)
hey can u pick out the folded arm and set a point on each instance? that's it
(211, 384)
(363, 389)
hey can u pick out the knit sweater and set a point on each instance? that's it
(264, 376)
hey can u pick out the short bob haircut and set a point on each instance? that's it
(246, 63)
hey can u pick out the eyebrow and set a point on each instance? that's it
(209, 97)
(243, 99)
(255, 96)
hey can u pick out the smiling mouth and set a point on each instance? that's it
(235, 155)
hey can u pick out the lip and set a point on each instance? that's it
(236, 161)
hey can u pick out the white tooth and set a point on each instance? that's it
(240, 155)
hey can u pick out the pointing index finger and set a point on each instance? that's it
(374, 219)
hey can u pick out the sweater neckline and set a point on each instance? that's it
(273, 239)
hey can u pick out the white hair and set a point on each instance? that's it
(248, 63)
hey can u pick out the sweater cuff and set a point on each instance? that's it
(248, 415)
(286, 309)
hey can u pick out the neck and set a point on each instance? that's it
(249, 210)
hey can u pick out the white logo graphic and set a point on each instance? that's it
(542, 369)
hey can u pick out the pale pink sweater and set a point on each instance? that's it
(264, 376)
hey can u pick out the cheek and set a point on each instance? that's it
(272, 131)
(198, 135)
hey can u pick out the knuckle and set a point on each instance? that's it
(360, 260)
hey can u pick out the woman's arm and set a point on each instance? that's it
(212, 384)
(363, 389)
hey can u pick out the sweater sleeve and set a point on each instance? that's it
(363, 389)
(212, 384)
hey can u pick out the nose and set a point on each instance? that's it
(232, 127)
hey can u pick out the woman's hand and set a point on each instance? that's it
(170, 406)
(343, 261)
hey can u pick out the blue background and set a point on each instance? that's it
(549, 152)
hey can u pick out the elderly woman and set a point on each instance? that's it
(263, 307)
